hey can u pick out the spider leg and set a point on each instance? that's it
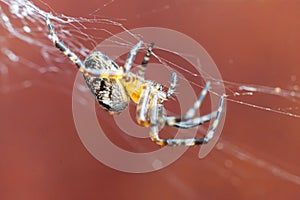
(142, 67)
(203, 119)
(142, 107)
(154, 135)
(186, 119)
(172, 87)
(131, 56)
(174, 142)
(154, 132)
(195, 121)
(154, 129)
(114, 74)
(71, 55)
(62, 47)
(212, 130)
(192, 111)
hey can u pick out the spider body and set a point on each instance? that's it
(114, 86)
(114, 95)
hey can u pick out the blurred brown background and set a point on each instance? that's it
(253, 42)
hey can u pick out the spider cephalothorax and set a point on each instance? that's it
(113, 87)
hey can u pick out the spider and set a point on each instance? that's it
(114, 86)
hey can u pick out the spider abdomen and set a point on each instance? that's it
(109, 93)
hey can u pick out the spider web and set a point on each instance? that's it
(24, 21)
(23, 24)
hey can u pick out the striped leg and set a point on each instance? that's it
(200, 120)
(195, 121)
(192, 111)
(117, 74)
(174, 142)
(131, 56)
(212, 130)
(62, 47)
(172, 87)
(190, 141)
(143, 66)
(187, 118)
